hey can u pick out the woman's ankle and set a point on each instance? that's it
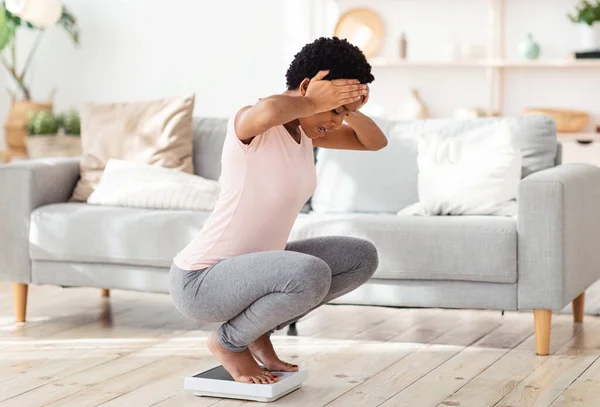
(226, 344)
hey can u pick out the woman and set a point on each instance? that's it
(240, 269)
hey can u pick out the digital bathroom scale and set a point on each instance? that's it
(216, 382)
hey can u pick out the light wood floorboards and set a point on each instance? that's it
(80, 349)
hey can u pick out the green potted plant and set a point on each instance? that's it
(49, 135)
(71, 123)
(16, 16)
(587, 15)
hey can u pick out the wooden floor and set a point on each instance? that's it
(134, 349)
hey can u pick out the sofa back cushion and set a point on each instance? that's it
(386, 180)
(209, 137)
(368, 181)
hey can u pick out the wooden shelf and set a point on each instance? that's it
(580, 63)
(383, 63)
(563, 64)
(578, 136)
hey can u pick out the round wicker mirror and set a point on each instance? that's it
(363, 28)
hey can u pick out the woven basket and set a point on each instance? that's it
(15, 130)
(41, 146)
(567, 121)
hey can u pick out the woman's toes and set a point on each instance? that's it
(262, 379)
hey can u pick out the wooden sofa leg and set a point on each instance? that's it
(20, 301)
(105, 292)
(543, 321)
(578, 305)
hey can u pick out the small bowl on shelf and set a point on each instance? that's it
(567, 121)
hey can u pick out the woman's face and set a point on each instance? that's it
(319, 124)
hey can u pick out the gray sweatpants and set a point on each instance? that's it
(254, 294)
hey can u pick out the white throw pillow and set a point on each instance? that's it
(476, 173)
(138, 185)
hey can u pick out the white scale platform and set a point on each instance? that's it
(216, 382)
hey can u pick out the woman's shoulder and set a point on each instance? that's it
(232, 127)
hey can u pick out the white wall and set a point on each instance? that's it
(4, 105)
(227, 52)
(230, 52)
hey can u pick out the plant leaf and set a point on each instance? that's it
(7, 29)
(15, 19)
(586, 12)
(69, 23)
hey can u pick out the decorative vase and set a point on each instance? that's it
(16, 125)
(529, 48)
(403, 46)
(414, 108)
(468, 113)
(590, 36)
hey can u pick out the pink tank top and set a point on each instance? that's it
(264, 186)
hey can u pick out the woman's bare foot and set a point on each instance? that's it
(240, 365)
(262, 349)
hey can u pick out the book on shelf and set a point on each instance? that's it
(590, 54)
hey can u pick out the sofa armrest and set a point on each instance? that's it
(558, 227)
(24, 186)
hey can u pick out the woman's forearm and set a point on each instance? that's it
(285, 108)
(367, 131)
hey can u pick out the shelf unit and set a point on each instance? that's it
(495, 66)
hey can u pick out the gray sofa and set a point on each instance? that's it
(540, 260)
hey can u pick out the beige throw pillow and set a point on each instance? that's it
(156, 132)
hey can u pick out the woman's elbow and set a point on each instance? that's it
(381, 143)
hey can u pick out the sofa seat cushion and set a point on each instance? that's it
(467, 248)
(80, 232)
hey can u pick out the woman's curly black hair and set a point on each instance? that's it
(341, 58)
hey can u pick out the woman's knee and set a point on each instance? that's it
(313, 277)
(366, 259)
(368, 255)
(371, 254)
